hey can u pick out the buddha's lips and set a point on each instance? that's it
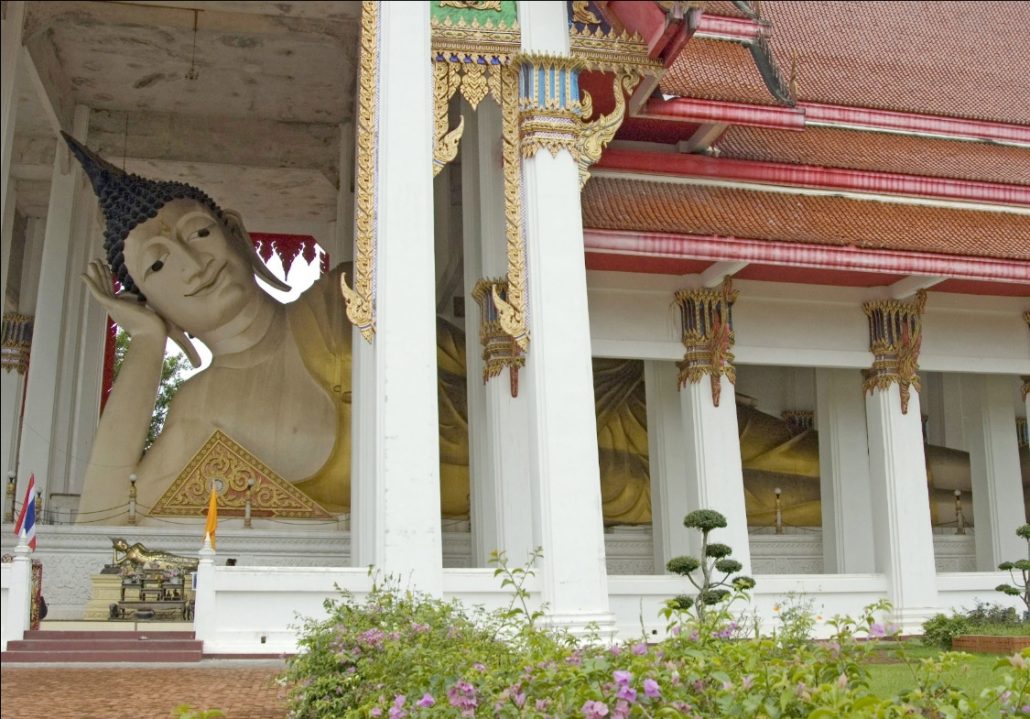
(209, 283)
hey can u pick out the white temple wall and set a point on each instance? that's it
(632, 316)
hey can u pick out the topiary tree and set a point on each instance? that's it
(1019, 588)
(715, 558)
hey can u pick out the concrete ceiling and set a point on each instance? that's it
(259, 126)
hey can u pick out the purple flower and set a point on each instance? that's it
(594, 710)
(622, 677)
(479, 667)
(622, 710)
(747, 682)
(397, 710)
(426, 700)
(615, 650)
(542, 704)
(463, 697)
(419, 628)
(371, 637)
(376, 712)
(640, 649)
(877, 630)
(627, 693)
(652, 689)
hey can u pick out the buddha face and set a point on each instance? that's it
(188, 269)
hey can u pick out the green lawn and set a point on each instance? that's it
(891, 677)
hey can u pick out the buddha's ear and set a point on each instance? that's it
(177, 335)
(238, 234)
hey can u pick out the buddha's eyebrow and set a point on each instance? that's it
(190, 216)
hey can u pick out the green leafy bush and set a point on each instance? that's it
(940, 629)
(402, 655)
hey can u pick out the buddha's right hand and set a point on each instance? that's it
(125, 309)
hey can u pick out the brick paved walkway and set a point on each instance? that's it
(241, 689)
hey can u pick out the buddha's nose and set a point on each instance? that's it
(193, 262)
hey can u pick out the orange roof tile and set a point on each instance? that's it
(716, 70)
(857, 150)
(957, 59)
(623, 204)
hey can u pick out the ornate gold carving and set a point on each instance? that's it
(512, 313)
(707, 320)
(594, 136)
(361, 300)
(488, 41)
(549, 104)
(895, 337)
(232, 471)
(445, 81)
(582, 13)
(1022, 431)
(15, 342)
(472, 4)
(621, 53)
(499, 348)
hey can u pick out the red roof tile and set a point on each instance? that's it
(857, 150)
(623, 204)
(959, 59)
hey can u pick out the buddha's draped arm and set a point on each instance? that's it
(123, 427)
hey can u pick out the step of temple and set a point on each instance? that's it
(104, 646)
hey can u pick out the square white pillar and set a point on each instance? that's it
(713, 471)
(901, 505)
(998, 508)
(396, 508)
(670, 489)
(848, 538)
(501, 501)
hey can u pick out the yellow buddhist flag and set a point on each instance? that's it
(212, 517)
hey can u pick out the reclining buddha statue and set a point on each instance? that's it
(279, 384)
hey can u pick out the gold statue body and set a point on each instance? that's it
(137, 556)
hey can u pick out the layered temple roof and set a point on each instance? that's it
(819, 122)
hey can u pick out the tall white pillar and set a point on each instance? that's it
(57, 278)
(401, 492)
(12, 394)
(711, 435)
(994, 465)
(10, 52)
(670, 490)
(498, 423)
(897, 462)
(558, 381)
(848, 537)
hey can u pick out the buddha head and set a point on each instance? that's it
(173, 247)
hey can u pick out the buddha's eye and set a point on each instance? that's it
(156, 267)
(203, 233)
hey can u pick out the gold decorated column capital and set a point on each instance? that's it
(706, 316)
(550, 110)
(499, 348)
(895, 338)
(15, 342)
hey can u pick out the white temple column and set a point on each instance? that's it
(670, 492)
(897, 463)
(994, 467)
(558, 381)
(711, 438)
(13, 381)
(67, 196)
(400, 495)
(498, 423)
(10, 52)
(848, 538)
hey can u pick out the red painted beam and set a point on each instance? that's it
(810, 176)
(796, 254)
(736, 28)
(836, 115)
(684, 109)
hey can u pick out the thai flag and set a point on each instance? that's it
(27, 517)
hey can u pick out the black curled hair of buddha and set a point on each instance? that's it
(127, 200)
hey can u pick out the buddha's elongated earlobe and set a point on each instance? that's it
(238, 234)
(177, 335)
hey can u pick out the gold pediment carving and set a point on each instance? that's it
(231, 469)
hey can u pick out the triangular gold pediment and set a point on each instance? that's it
(231, 469)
